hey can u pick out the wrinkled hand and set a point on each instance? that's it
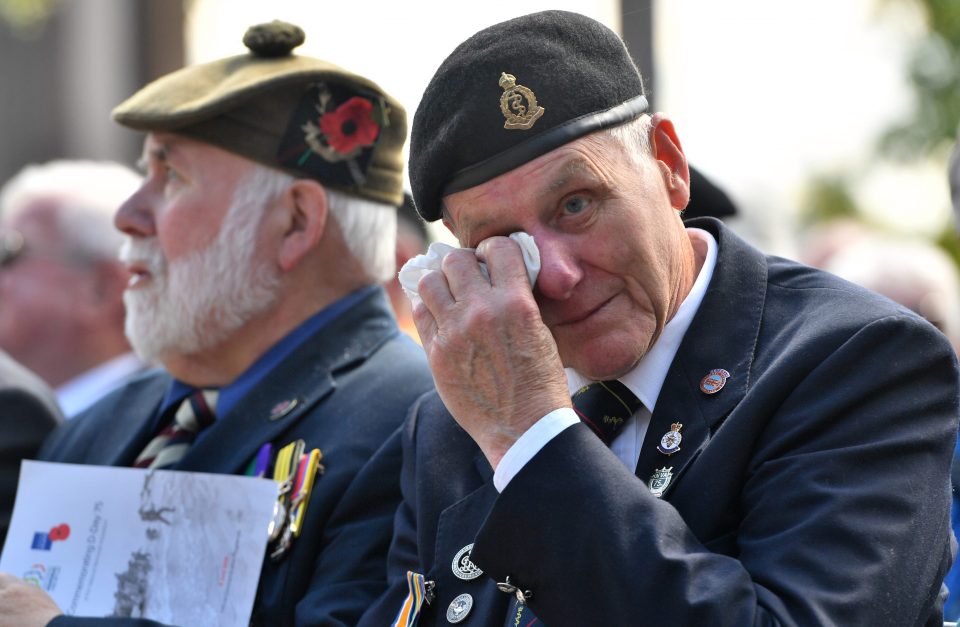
(495, 363)
(23, 604)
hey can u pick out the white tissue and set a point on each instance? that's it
(415, 268)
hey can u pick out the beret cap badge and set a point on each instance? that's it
(519, 116)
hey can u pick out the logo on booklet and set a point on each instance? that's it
(43, 540)
(42, 576)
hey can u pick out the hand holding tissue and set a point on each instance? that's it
(415, 268)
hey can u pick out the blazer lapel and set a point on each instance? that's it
(734, 297)
(465, 515)
(453, 569)
(261, 417)
(292, 389)
(459, 524)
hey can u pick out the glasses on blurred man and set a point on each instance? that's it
(11, 247)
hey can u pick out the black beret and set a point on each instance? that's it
(706, 199)
(407, 212)
(515, 91)
(295, 113)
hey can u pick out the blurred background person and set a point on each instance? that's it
(28, 412)
(61, 282)
(953, 177)
(412, 240)
(908, 270)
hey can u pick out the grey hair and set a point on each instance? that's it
(634, 136)
(369, 227)
(370, 231)
(87, 193)
(251, 198)
(259, 187)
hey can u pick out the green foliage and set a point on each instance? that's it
(949, 242)
(930, 130)
(26, 18)
(934, 73)
(827, 198)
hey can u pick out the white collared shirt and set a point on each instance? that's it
(645, 380)
(88, 387)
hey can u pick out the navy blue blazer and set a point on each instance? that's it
(354, 382)
(812, 489)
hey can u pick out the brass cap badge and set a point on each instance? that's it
(519, 115)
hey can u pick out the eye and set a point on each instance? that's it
(169, 174)
(575, 205)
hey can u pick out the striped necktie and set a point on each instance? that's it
(194, 414)
(605, 406)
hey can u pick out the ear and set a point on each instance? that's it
(670, 159)
(305, 205)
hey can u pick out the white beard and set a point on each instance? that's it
(202, 299)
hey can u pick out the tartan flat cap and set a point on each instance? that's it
(298, 114)
(515, 91)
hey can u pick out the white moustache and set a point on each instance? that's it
(144, 253)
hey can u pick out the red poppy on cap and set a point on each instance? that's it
(350, 126)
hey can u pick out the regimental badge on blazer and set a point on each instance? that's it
(670, 442)
(713, 381)
(462, 567)
(660, 480)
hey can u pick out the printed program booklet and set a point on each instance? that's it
(181, 548)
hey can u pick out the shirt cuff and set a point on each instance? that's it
(530, 443)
